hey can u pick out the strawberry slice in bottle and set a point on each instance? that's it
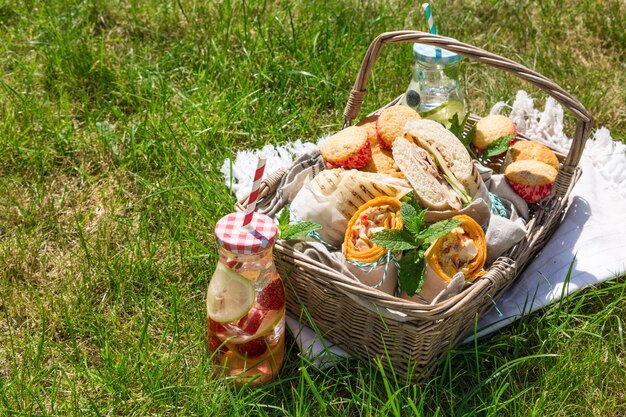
(273, 295)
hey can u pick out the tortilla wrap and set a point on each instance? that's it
(375, 215)
(462, 250)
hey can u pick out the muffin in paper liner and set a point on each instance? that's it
(349, 149)
(531, 180)
(530, 150)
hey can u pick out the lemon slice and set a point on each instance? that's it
(230, 296)
(445, 111)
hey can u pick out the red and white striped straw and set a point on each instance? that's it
(254, 194)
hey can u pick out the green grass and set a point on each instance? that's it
(114, 120)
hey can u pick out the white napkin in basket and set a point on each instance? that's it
(594, 229)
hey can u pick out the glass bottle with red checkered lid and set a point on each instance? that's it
(246, 301)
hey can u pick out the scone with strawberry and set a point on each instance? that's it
(530, 150)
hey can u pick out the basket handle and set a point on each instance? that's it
(583, 128)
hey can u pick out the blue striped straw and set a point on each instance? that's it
(429, 18)
(431, 25)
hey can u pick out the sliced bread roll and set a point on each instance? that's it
(430, 188)
(454, 160)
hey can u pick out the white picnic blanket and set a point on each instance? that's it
(592, 236)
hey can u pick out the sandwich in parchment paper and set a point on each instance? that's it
(334, 195)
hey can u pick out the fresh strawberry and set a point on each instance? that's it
(214, 326)
(254, 348)
(250, 323)
(273, 296)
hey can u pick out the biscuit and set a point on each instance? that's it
(349, 148)
(390, 123)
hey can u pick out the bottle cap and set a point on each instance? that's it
(428, 54)
(257, 236)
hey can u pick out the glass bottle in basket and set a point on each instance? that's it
(435, 91)
(246, 301)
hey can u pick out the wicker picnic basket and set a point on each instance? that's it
(350, 314)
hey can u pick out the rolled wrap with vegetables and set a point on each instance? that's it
(377, 214)
(464, 249)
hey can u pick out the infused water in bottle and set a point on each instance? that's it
(246, 302)
(435, 91)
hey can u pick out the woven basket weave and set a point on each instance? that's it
(348, 312)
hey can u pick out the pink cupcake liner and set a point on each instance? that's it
(531, 193)
(358, 160)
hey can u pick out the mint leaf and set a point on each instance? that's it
(299, 229)
(419, 221)
(412, 201)
(407, 212)
(413, 219)
(437, 230)
(288, 231)
(409, 215)
(469, 137)
(498, 146)
(283, 219)
(456, 127)
(412, 267)
(394, 239)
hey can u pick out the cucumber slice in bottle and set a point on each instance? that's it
(445, 111)
(229, 296)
